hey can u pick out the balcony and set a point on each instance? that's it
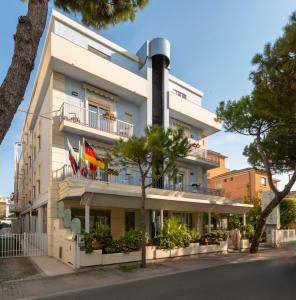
(128, 179)
(15, 207)
(201, 157)
(190, 112)
(88, 123)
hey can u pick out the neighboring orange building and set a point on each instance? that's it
(221, 169)
(242, 184)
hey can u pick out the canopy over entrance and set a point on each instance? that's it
(103, 194)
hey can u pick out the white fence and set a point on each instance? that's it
(23, 244)
(283, 236)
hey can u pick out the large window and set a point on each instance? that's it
(95, 217)
(179, 182)
(178, 125)
(129, 220)
(96, 117)
(263, 181)
(185, 218)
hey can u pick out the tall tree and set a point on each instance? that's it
(269, 116)
(144, 154)
(288, 213)
(95, 13)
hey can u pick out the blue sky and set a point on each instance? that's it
(212, 44)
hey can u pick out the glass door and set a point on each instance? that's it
(93, 118)
(104, 121)
(179, 182)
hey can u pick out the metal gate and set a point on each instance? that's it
(23, 244)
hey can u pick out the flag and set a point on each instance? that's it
(72, 158)
(81, 162)
(91, 157)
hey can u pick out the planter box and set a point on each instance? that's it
(223, 247)
(118, 258)
(213, 248)
(90, 259)
(162, 253)
(150, 252)
(244, 244)
(190, 250)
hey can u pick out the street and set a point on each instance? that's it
(267, 279)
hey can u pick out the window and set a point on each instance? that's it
(34, 153)
(231, 179)
(34, 191)
(180, 94)
(39, 142)
(96, 117)
(263, 181)
(44, 219)
(185, 218)
(38, 186)
(128, 117)
(179, 182)
(129, 220)
(95, 217)
(178, 125)
(30, 161)
(225, 180)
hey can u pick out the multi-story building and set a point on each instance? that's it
(87, 87)
(243, 184)
(221, 167)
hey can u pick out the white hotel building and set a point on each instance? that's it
(81, 77)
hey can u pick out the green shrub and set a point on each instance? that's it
(247, 232)
(194, 236)
(213, 237)
(234, 222)
(95, 239)
(113, 246)
(175, 234)
(132, 240)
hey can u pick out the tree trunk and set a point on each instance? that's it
(262, 220)
(26, 40)
(143, 225)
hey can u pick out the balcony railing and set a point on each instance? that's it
(104, 122)
(203, 154)
(15, 207)
(129, 179)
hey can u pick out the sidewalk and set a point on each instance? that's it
(50, 266)
(110, 275)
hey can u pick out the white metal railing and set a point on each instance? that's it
(104, 122)
(203, 154)
(129, 179)
(23, 244)
(283, 236)
(100, 175)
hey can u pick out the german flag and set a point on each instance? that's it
(91, 157)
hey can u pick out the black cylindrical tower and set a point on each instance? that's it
(160, 55)
(158, 67)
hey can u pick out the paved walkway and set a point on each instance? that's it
(50, 266)
(110, 275)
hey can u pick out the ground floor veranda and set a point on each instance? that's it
(119, 206)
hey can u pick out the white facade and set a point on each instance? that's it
(81, 78)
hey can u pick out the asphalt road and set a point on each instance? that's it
(271, 279)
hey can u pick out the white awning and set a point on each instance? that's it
(103, 194)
